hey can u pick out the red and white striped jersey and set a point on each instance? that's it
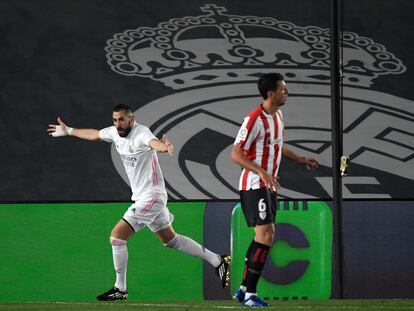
(261, 139)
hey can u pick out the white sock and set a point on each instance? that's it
(191, 247)
(248, 295)
(243, 288)
(120, 257)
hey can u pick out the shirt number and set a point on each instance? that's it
(262, 205)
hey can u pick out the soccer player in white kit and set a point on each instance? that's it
(138, 147)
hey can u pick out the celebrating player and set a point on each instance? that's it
(137, 147)
(258, 149)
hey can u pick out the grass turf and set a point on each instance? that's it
(331, 305)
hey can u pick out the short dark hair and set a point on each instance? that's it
(122, 107)
(268, 82)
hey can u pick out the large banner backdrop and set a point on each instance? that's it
(189, 70)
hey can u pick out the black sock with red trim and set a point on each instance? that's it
(246, 260)
(255, 263)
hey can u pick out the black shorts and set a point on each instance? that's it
(259, 206)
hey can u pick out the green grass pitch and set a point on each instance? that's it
(330, 305)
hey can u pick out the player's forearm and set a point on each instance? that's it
(87, 134)
(158, 145)
(287, 153)
(240, 158)
(310, 163)
(163, 145)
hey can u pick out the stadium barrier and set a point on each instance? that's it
(60, 252)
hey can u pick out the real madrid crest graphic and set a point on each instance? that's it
(212, 62)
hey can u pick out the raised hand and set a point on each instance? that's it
(59, 130)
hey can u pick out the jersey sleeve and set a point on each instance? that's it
(106, 134)
(146, 136)
(247, 133)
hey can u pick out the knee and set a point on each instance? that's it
(267, 236)
(116, 242)
(114, 233)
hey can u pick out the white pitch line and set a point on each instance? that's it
(172, 305)
(138, 304)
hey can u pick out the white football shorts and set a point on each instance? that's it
(152, 212)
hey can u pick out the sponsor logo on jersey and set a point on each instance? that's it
(243, 134)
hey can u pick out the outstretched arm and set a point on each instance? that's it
(240, 158)
(310, 163)
(63, 130)
(162, 145)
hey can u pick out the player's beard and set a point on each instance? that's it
(283, 101)
(280, 103)
(123, 132)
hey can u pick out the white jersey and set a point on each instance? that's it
(140, 160)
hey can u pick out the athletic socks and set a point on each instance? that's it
(191, 247)
(246, 259)
(120, 257)
(256, 258)
(179, 242)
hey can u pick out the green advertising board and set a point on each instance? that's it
(299, 265)
(61, 252)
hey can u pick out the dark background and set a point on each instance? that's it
(53, 63)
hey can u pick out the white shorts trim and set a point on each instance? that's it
(151, 212)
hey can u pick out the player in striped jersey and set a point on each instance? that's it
(258, 149)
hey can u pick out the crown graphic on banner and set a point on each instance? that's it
(218, 48)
